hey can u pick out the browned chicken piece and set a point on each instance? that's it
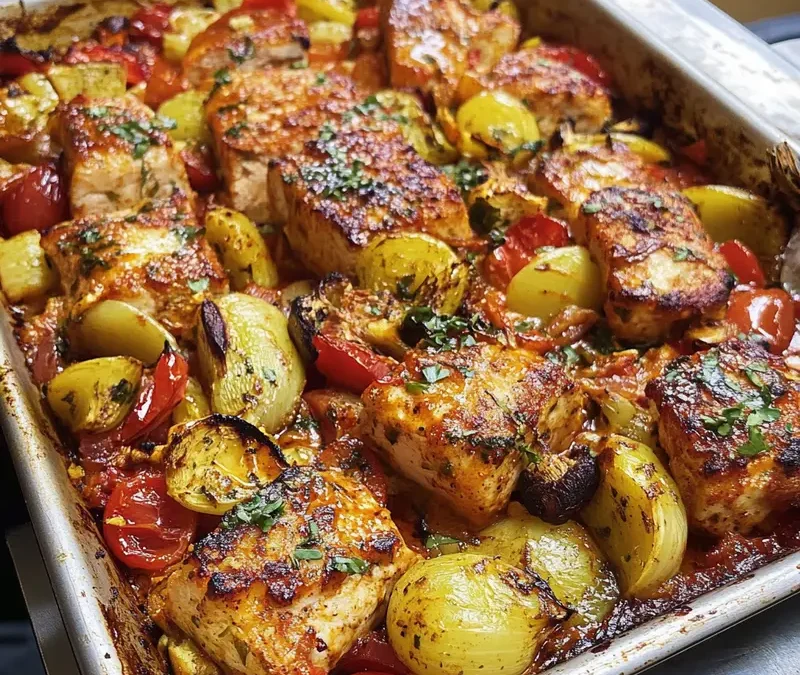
(569, 175)
(117, 153)
(290, 597)
(658, 265)
(463, 423)
(271, 114)
(356, 181)
(730, 423)
(245, 40)
(154, 257)
(431, 43)
(338, 413)
(553, 91)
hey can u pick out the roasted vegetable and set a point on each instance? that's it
(414, 266)
(495, 120)
(340, 11)
(186, 108)
(628, 419)
(193, 405)
(25, 272)
(555, 279)
(248, 361)
(466, 614)
(506, 7)
(185, 24)
(93, 80)
(329, 33)
(116, 328)
(637, 516)
(96, 395)
(214, 463)
(648, 150)
(244, 254)
(564, 556)
(501, 200)
(186, 658)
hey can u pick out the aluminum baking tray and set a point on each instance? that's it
(665, 59)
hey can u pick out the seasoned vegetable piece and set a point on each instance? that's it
(244, 254)
(25, 271)
(96, 395)
(25, 106)
(564, 556)
(311, 554)
(194, 404)
(496, 121)
(116, 328)
(186, 658)
(187, 110)
(648, 150)
(93, 80)
(414, 266)
(463, 423)
(340, 11)
(214, 463)
(466, 614)
(637, 516)
(729, 419)
(248, 361)
(185, 23)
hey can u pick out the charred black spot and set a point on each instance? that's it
(214, 327)
(789, 457)
(281, 581)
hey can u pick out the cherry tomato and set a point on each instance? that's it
(767, 313)
(35, 201)
(368, 17)
(200, 168)
(166, 81)
(696, 152)
(143, 526)
(743, 263)
(136, 69)
(372, 653)
(285, 6)
(150, 23)
(522, 240)
(577, 59)
(348, 364)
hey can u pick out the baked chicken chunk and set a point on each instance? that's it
(462, 424)
(151, 257)
(117, 153)
(290, 590)
(730, 423)
(356, 181)
(270, 114)
(658, 264)
(245, 40)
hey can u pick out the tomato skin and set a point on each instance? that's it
(578, 59)
(200, 168)
(348, 364)
(767, 313)
(368, 17)
(157, 530)
(373, 654)
(166, 81)
(35, 201)
(743, 263)
(519, 248)
(17, 64)
(136, 71)
(285, 6)
(150, 23)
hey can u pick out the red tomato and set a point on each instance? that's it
(767, 313)
(166, 81)
(285, 6)
(150, 23)
(200, 168)
(577, 59)
(697, 152)
(372, 653)
(156, 530)
(14, 64)
(743, 263)
(522, 240)
(349, 364)
(368, 17)
(136, 71)
(35, 201)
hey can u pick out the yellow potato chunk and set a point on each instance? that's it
(25, 272)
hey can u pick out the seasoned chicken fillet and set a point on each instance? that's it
(462, 424)
(356, 181)
(293, 599)
(553, 91)
(150, 257)
(270, 114)
(245, 40)
(659, 266)
(730, 423)
(117, 153)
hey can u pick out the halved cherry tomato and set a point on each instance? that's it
(166, 81)
(522, 240)
(136, 68)
(285, 6)
(200, 168)
(143, 526)
(150, 23)
(35, 201)
(577, 59)
(374, 654)
(348, 364)
(696, 152)
(368, 17)
(767, 313)
(743, 263)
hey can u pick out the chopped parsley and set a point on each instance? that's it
(122, 391)
(298, 65)
(349, 565)
(140, 134)
(590, 209)
(321, 79)
(235, 130)
(403, 287)
(307, 554)
(683, 253)
(198, 285)
(257, 511)
(424, 328)
(221, 78)
(755, 445)
(438, 540)
(430, 375)
(466, 175)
